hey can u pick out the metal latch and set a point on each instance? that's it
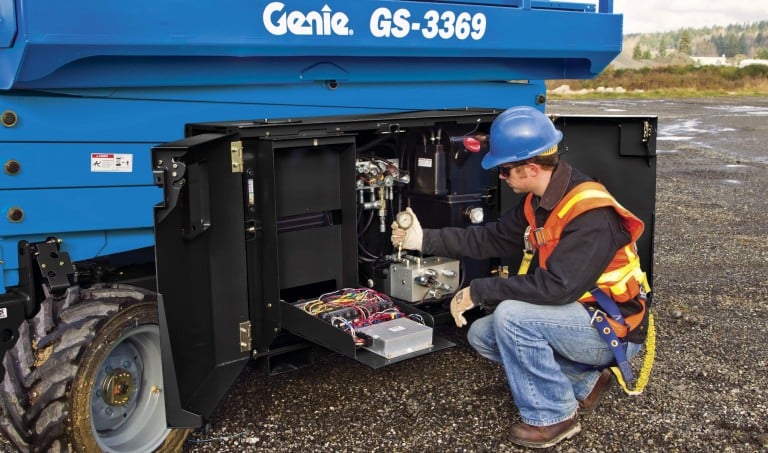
(237, 156)
(245, 336)
(647, 130)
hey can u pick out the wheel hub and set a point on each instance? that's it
(117, 387)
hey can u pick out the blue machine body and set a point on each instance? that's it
(88, 87)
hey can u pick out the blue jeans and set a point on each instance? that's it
(544, 350)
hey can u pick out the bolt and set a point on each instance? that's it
(108, 411)
(160, 162)
(9, 118)
(126, 364)
(155, 389)
(12, 167)
(108, 369)
(15, 214)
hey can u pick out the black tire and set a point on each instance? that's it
(51, 395)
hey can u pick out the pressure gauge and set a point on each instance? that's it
(404, 220)
(475, 215)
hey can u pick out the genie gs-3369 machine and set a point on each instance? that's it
(192, 186)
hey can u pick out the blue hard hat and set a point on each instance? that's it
(519, 133)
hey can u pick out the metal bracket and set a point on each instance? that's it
(647, 131)
(169, 172)
(245, 336)
(237, 156)
(55, 266)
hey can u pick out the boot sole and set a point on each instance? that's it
(572, 431)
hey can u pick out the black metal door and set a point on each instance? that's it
(201, 274)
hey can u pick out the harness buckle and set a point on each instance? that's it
(597, 313)
(527, 240)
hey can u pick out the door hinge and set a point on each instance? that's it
(245, 336)
(237, 156)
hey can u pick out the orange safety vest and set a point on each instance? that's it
(623, 279)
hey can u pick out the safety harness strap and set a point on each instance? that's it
(600, 321)
(528, 253)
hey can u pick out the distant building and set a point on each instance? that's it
(710, 61)
(750, 61)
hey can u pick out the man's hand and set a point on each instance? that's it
(408, 238)
(460, 303)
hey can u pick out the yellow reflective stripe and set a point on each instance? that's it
(622, 272)
(589, 193)
(616, 280)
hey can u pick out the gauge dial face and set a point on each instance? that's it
(404, 220)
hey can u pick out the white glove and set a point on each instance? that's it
(408, 238)
(460, 303)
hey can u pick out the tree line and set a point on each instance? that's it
(748, 40)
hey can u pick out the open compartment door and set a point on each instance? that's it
(201, 274)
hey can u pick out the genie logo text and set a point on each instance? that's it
(325, 22)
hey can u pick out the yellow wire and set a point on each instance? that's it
(645, 372)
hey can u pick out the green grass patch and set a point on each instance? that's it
(667, 81)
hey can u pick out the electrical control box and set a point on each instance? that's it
(419, 279)
(398, 337)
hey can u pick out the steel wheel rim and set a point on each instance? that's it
(138, 423)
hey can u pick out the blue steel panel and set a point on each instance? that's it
(155, 121)
(7, 22)
(70, 210)
(300, 71)
(11, 274)
(70, 34)
(48, 165)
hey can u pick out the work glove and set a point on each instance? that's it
(408, 238)
(461, 302)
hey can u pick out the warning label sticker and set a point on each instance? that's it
(108, 162)
(424, 162)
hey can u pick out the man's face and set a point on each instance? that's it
(515, 176)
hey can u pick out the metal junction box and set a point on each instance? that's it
(417, 279)
(398, 337)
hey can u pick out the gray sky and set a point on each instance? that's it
(647, 16)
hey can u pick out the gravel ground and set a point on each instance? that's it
(708, 387)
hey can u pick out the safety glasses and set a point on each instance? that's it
(505, 170)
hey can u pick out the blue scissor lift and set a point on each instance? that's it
(93, 98)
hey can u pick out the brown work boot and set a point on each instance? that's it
(544, 436)
(603, 382)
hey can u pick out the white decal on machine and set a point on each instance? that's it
(113, 163)
(444, 25)
(312, 23)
